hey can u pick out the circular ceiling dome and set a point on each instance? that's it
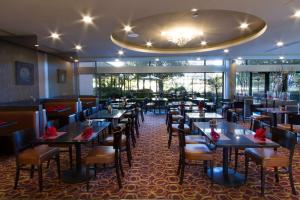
(189, 32)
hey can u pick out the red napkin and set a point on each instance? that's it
(260, 133)
(51, 132)
(215, 136)
(201, 106)
(2, 122)
(87, 133)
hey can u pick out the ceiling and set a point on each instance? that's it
(41, 17)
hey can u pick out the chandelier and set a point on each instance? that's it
(181, 35)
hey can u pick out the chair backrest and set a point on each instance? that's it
(294, 119)
(256, 125)
(181, 134)
(285, 139)
(117, 138)
(238, 104)
(23, 139)
(83, 115)
(72, 118)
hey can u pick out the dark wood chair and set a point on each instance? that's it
(193, 152)
(258, 116)
(268, 157)
(29, 153)
(238, 109)
(173, 125)
(293, 124)
(105, 155)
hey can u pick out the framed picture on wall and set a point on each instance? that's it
(61, 76)
(24, 73)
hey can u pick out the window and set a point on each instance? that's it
(214, 62)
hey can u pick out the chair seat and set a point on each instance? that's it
(194, 139)
(174, 112)
(150, 104)
(186, 128)
(296, 128)
(176, 117)
(100, 155)
(110, 140)
(260, 117)
(198, 152)
(267, 157)
(236, 110)
(37, 155)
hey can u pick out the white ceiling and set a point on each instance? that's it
(41, 16)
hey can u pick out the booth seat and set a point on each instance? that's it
(73, 105)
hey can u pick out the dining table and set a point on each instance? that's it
(196, 116)
(276, 111)
(232, 135)
(113, 116)
(70, 134)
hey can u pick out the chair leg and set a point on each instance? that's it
(182, 172)
(128, 151)
(170, 139)
(205, 166)
(246, 167)
(179, 166)
(17, 176)
(251, 124)
(262, 177)
(87, 178)
(48, 164)
(120, 164)
(70, 157)
(292, 181)
(58, 165)
(142, 115)
(95, 170)
(118, 173)
(236, 155)
(32, 171)
(212, 172)
(276, 174)
(40, 172)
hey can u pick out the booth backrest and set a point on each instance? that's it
(25, 119)
(89, 99)
(73, 105)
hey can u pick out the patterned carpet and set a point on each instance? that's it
(152, 176)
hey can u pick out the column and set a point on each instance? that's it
(230, 76)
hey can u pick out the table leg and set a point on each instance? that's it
(78, 175)
(225, 175)
(274, 119)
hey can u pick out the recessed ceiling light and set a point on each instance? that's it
(71, 57)
(55, 36)
(244, 25)
(203, 43)
(194, 10)
(281, 57)
(149, 44)
(120, 52)
(239, 58)
(78, 47)
(87, 19)
(36, 45)
(76, 60)
(279, 44)
(226, 50)
(127, 28)
(117, 60)
(156, 59)
(198, 59)
(297, 13)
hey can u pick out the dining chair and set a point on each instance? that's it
(271, 158)
(173, 124)
(238, 109)
(258, 116)
(28, 152)
(293, 124)
(189, 153)
(125, 140)
(105, 155)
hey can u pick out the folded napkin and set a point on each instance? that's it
(215, 136)
(2, 122)
(87, 133)
(260, 133)
(201, 105)
(51, 132)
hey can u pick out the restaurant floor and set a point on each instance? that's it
(152, 176)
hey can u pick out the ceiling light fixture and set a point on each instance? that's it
(127, 28)
(121, 52)
(297, 14)
(78, 47)
(76, 60)
(36, 45)
(194, 10)
(239, 58)
(149, 44)
(198, 59)
(203, 43)
(244, 25)
(87, 19)
(55, 36)
(226, 50)
(156, 59)
(181, 35)
(279, 44)
(281, 57)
